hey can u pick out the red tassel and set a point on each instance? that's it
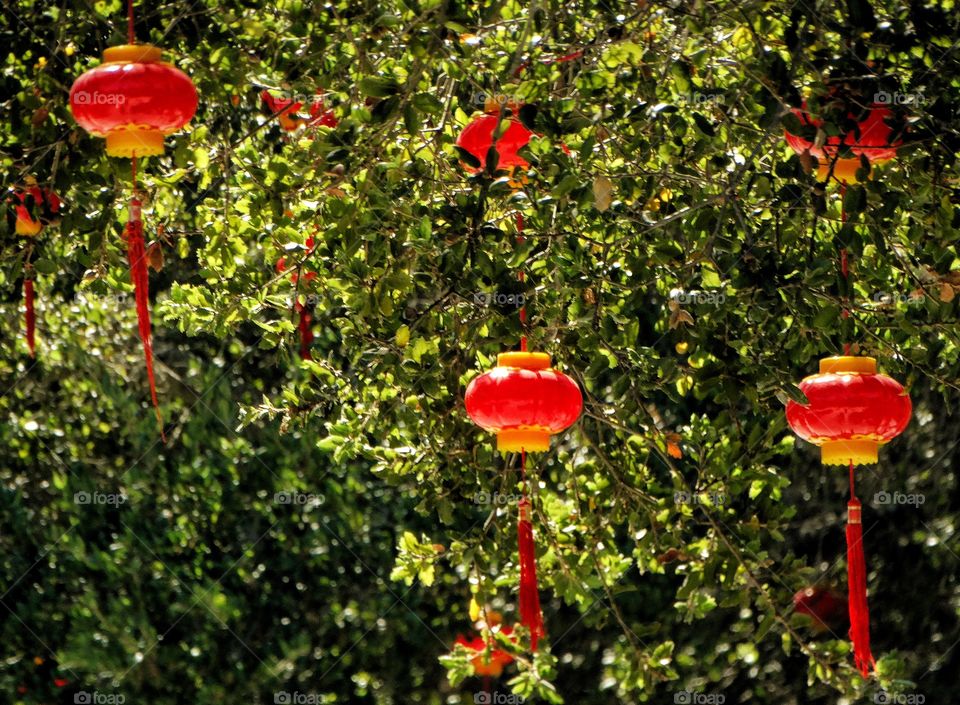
(306, 332)
(30, 316)
(530, 615)
(857, 586)
(137, 256)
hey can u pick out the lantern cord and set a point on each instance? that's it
(521, 276)
(131, 37)
(857, 585)
(844, 269)
(137, 257)
(29, 315)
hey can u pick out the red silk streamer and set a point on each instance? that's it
(137, 257)
(857, 586)
(530, 614)
(306, 331)
(29, 316)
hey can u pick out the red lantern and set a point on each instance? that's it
(523, 401)
(477, 138)
(852, 411)
(30, 209)
(871, 137)
(305, 323)
(286, 112)
(134, 100)
(488, 660)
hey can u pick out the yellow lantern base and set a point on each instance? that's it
(849, 451)
(524, 360)
(844, 170)
(516, 440)
(848, 365)
(28, 228)
(135, 141)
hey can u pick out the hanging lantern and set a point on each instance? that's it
(523, 401)
(869, 136)
(286, 111)
(852, 412)
(30, 208)
(477, 138)
(134, 100)
(487, 660)
(304, 312)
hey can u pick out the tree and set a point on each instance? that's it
(317, 528)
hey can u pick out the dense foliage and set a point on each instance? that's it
(316, 529)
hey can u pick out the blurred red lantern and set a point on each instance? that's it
(852, 411)
(134, 100)
(488, 661)
(477, 138)
(523, 401)
(30, 208)
(826, 607)
(305, 313)
(869, 135)
(286, 111)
